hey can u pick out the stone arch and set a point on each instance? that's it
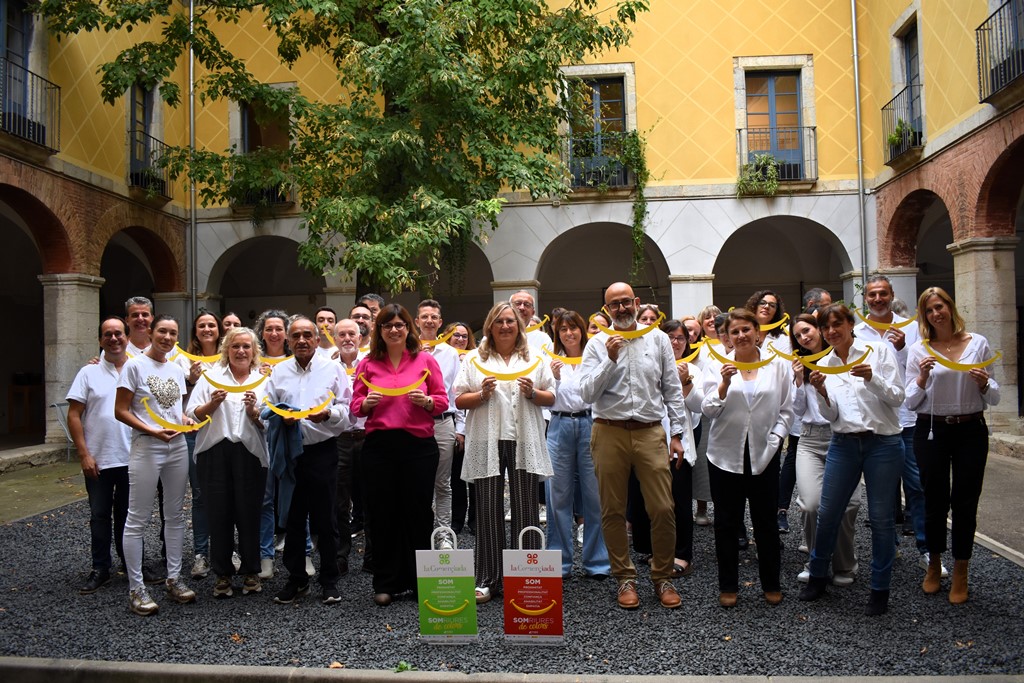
(45, 228)
(788, 254)
(159, 236)
(577, 265)
(903, 228)
(999, 193)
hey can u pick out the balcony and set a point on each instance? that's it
(145, 172)
(792, 150)
(902, 128)
(593, 162)
(29, 111)
(1001, 55)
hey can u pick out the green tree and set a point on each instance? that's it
(445, 103)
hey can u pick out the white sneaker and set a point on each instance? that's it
(309, 566)
(579, 534)
(236, 560)
(200, 567)
(140, 602)
(267, 568)
(842, 580)
(804, 576)
(446, 544)
(925, 559)
(804, 549)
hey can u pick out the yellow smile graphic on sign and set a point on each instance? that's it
(534, 612)
(446, 612)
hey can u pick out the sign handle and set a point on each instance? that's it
(540, 532)
(451, 532)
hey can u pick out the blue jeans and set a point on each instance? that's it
(569, 449)
(108, 510)
(880, 460)
(200, 527)
(913, 491)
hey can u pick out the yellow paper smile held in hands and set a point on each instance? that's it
(565, 359)
(534, 328)
(959, 367)
(739, 365)
(440, 340)
(242, 388)
(628, 334)
(398, 391)
(506, 376)
(834, 369)
(793, 356)
(882, 327)
(299, 414)
(167, 424)
(192, 357)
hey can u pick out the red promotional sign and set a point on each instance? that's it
(533, 596)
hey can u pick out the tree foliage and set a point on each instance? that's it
(444, 103)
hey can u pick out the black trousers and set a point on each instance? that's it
(350, 449)
(960, 449)
(400, 471)
(316, 472)
(108, 510)
(233, 481)
(729, 492)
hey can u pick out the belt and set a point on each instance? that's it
(354, 434)
(444, 416)
(578, 413)
(959, 419)
(626, 424)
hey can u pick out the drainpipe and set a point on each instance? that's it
(861, 197)
(193, 231)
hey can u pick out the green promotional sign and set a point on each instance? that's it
(447, 595)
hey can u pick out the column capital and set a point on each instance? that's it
(79, 279)
(692, 277)
(983, 244)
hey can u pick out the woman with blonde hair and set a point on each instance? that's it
(232, 460)
(503, 389)
(951, 435)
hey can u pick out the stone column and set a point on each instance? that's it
(691, 293)
(986, 298)
(904, 285)
(503, 291)
(178, 305)
(851, 296)
(71, 309)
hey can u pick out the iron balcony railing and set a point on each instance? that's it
(592, 161)
(1000, 49)
(795, 149)
(145, 169)
(902, 125)
(29, 106)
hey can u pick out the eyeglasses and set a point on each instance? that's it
(388, 327)
(620, 303)
(522, 304)
(767, 304)
(680, 339)
(457, 335)
(506, 323)
(361, 316)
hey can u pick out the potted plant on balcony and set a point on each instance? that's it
(902, 138)
(759, 177)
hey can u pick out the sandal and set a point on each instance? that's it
(679, 570)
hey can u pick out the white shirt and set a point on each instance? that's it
(759, 420)
(567, 390)
(641, 385)
(107, 439)
(230, 420)
(358, 421)
(950, 392)
(448, 359)
(162, 384)
(306, 388)
(911, 336)
(805, 405)
(858, 406)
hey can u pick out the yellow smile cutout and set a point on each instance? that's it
(534, 612)
(274, 361)
(772, 326)
(793, 356)
(959, 367)
(166, 424)
(506, 376)
(192, 357)
(534, 328)
(738, 364)
(882, 327)
(299, 414)
(234, 390)
(398, 391)
(628, 334)
(440, 340)
(576, 360)
(446, 612)
(834, 369)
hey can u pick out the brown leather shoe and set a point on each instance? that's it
(773, 597)
(628, 597)
(667, 594)
(727, 599)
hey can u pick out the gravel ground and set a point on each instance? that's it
(45, 559)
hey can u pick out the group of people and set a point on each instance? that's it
(322, 427)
